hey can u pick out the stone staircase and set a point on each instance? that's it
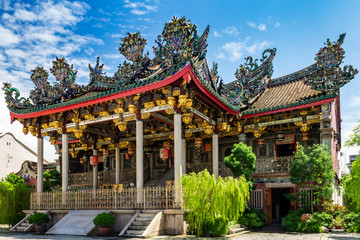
(24, 225)
(138, 224)
(235, 228)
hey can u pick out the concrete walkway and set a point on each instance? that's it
(243, 236)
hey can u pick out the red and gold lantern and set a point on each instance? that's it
(164, 153)
(198, 142)
(305, 136)
(207, 147)
(128, 156)
(94, 160)
(261, 142)
(131, 150)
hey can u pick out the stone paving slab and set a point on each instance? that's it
(244, 236)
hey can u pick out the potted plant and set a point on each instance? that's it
(104, 221)
(40, 220)
(338, 222)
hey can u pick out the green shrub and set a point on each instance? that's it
(253, 218)
(292, 221)
(212, 203)
(39, 218)
(352, 222)
(317, 220)
(104, 220)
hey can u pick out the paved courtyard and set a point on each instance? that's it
(244, 236)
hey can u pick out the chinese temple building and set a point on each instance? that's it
(158, 118)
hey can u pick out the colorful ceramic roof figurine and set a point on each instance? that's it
(181, 52)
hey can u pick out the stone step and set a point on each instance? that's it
(137, 227)
(141, 219)
(235, 226)
(25, 224)
(141, 223)
(236, 230)
(21, 228)
(134, 232)
(150, 211)
(147, 215)
(132, 236)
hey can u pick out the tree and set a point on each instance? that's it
(52, 179)
(354, 138)
(313, 168)
(212, 203)
(241, 161)
(14, 198)
(351, 187)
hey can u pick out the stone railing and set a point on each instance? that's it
(273, 165)
(127, 198)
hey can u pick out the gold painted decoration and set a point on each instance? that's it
(145, 115)
(303, 112)
(45, 134)
(122, 126)
(25, 130)
(148, 105)
(53, 140)
(171, 101)
(104, 113)
(208, 129)
(176, 91)
(182, 100)
(187, 118)
(188, 134)
(89, 116)
(85, 146)
(189, 103)
(130, 118)
(160, 102)
(223, 126)
(192, 126)
(123, 145)
(257, 134)
(171, 137)
(169, 111)
(44, 125)
(239, 128)
(305, 127)
(132, 109)
(33, 130)
(119, 110)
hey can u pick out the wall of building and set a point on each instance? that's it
(12, 154)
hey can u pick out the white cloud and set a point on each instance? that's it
(232, 30)
(237, 49)
(140, 8)
(277, 25)
(217, 34)
(8, 37)
(33, 35)
(262, 27)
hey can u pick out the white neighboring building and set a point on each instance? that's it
(13, 153)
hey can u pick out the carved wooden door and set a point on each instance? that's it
(268, 205)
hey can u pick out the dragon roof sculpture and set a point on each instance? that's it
(178, 45)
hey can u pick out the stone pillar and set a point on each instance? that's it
(65, 162)
(40, 164)
(177, 157)
(122, 177)
(183, 164)
(117, 165)
(139, 160)
(215, 154)
(95, 171)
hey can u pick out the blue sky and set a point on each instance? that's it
(35, 32)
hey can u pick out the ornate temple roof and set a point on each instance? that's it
(180, 53)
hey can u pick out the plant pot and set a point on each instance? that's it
(338, 227)
(105, 231)
(40, 229)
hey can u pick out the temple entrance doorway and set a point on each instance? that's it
(279, 204)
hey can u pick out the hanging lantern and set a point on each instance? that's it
(305, 136)
(94, 160)
(166, 145)
(198, 142)
(280, 136)
(128, 156)
(207, 147)
(82, 160)
(131, 150)
(164, 153)
(261, 142)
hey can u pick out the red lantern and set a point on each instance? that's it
(261, 141)
(95, 160)
(128, 156)
(164, 153)
(198, 142)
(207, 147)
(305, 136)
(131, 150)
(167, 145)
